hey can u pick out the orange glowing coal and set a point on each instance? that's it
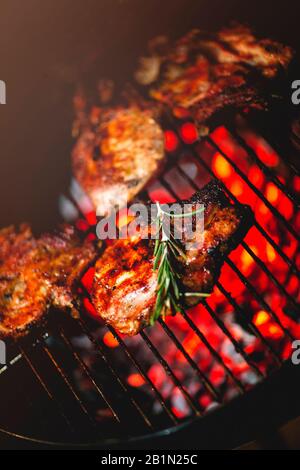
(135, 380)
(272, 193)
(261, 317)
(189, 133)
(171, 141)
(110, 341)
(221, 167)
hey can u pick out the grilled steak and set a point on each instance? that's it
(205, 72)
(125, 283)
(117, 155)
(36, 274)
(264, 54)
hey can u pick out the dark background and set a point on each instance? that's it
(47, 46)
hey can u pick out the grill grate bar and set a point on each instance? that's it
(88, 374)
(235, 343)
(102, 355)
(270, 138)
(293, 268)
(225, 330)
(206, 382)
(69, 385)
(251, 325)
(275, 281)
(145, 376)
(255, 190)
(267, 171)
(213, 352)
(260, 299)
(45, 388)
(194, 406)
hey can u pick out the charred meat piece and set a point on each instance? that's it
(36, 274)
(206, 72)
(116, 157)
(265, 54)
(125, 283)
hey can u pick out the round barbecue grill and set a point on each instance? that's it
(90, 386)
(215, 376)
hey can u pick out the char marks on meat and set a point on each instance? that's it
(37, 273)
(117, 154)
(125, 283)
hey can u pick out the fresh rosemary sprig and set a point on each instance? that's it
(167, 252)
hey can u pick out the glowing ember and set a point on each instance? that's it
(171, 141)
(135, 380)
(236, 188)
(189, 133)
(221, 167)
(110, 341)
(90, 308)
(87, 279)
(260, 318)
(82, 225)
(272, 193)
(256, 176)
(91, 218)
(297, 183)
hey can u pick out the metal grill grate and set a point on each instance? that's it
(55, 358)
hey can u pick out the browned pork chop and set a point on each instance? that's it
(205, 72)
(125, 283)
(36, 274)
(117, 156)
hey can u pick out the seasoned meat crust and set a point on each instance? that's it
(36, 274)
(264, 54)
(125, 284)
(205, 72)
(117, 156)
